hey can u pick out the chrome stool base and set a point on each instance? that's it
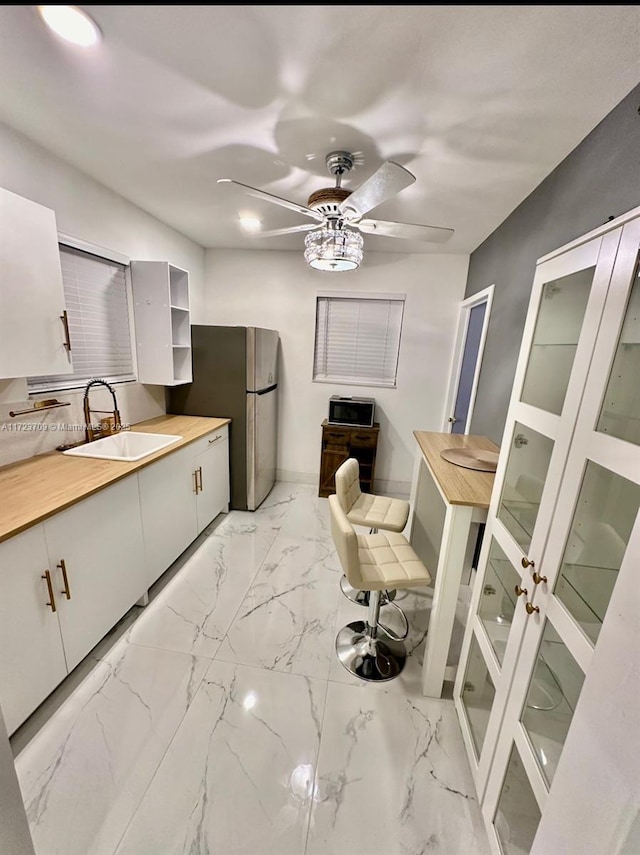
(373, 659)
(361, 598)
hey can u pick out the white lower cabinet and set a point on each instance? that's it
(167, 501)
(97, 561)
(66, 582)
(180, 495)
(32, 659)
(212, 473)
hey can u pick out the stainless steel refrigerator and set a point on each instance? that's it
(235, 375)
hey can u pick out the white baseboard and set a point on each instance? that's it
(397, 489)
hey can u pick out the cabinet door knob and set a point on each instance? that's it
(520, 590)
(537, 578)
(65, 579)
(531, 608)
(527, 563)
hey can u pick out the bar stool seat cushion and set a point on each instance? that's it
(379, 512)
(387, 560)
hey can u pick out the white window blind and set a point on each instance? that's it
(358, 338)
(98, 311)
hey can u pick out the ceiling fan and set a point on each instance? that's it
(334, 242)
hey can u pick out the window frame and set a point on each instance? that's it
(73, 384)
(361, 296)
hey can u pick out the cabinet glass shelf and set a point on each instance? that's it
(560, 316)
(620, 415)
(605, 514)
(498, 600)
(529, 458)
(551, 700)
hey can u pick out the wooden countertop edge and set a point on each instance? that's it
(463, 487)
(103, 473)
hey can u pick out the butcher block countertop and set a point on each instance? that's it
(32, 490)
(460, 486)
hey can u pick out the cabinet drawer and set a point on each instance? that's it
(363, 440)
(336, 437)
(213, 438)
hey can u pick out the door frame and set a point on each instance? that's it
(484, 296)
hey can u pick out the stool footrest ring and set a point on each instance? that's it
(392, 635)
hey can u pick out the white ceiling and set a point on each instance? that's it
(480, 103)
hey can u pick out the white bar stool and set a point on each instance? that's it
(373, 512)
(373, 563)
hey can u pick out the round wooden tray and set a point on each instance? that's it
(472, 458)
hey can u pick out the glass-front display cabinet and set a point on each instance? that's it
(561, 529)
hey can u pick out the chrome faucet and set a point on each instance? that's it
(90, 433)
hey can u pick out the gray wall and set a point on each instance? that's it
(598, 180)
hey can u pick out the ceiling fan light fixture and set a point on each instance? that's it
(333, 250)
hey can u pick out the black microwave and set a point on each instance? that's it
(351, 411)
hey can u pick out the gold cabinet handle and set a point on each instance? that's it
(531, 608)
(526, 563)
(195, 482)
(520, 591)
(52, 600)
(537, 578)
(65, 323)
(199, 470)
(65, 579)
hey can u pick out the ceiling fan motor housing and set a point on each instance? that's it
(327, 200)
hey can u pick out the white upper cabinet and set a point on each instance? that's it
(33, 337)
(162, 320)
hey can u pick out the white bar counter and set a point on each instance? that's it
(448, 502)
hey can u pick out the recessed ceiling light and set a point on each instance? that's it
(250, 224)
(71, 24)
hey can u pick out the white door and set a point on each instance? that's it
(472, 332)
(100, 542)
(212, 466)
(168, 504)
(31, 657)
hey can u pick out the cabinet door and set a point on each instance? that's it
(563, 509)
(32, 335)
(31, 656)
(212, 468)
(565, 311)
(168, 506)
(100, 542)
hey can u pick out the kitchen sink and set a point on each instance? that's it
(127, 445)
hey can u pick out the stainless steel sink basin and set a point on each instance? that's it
(127, 445)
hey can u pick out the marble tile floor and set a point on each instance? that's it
(218, 721)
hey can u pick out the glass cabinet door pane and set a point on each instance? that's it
(477, 695)
(605, 513)
(551, 700)
(527, 467)
(620, 414)
(517, 815)
(562, 308)
(498, 598)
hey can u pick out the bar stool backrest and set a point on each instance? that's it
(346, 542)
(347, 479)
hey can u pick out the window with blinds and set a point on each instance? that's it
(95, 293)
(358, 338)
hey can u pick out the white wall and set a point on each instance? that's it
(278, 290)
(88, 210)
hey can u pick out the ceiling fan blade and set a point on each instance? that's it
(385, 182)
(410, 231)
(303, 227)
(275, 200)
